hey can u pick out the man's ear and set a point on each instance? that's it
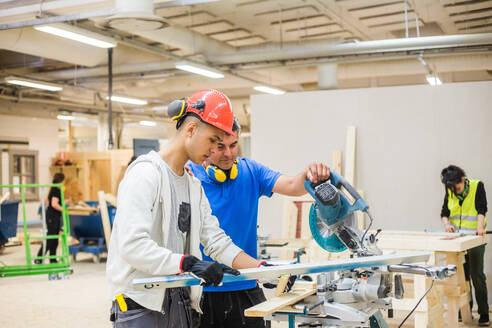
(191, 128)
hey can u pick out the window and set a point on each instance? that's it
(23, 169)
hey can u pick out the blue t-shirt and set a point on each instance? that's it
(235, 204)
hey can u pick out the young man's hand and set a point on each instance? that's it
(211, 273)
(481, 231)
(317, 172)
(448, 227)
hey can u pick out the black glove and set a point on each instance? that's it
(210, 273)
(273, 284)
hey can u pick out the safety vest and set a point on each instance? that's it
(464, 217)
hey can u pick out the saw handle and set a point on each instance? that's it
(337, 180)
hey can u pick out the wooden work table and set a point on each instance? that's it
(447, 248)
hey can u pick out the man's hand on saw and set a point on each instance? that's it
(316, 172)
(211, 273)
(273, 282)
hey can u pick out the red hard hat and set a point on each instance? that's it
(213, 107)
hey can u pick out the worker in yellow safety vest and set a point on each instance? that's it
(464, 209)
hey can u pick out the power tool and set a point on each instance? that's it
(331, 218)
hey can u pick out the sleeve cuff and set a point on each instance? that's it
(181, 263)
(230, 254)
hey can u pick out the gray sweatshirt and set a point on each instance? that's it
(141, 230)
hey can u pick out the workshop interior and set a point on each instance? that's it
(245, 163)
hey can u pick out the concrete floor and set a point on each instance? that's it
(79, 301)
(34, 301)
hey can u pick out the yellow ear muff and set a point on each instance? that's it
(215, 173)
(234, 171)
(219, 176)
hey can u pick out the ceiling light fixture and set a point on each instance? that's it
(200, 70)
(433, 80)
(126, 100)
(159, 108)
(65, 117)
(265, 89)
(148, 123)
(78, 34)
(32, 83)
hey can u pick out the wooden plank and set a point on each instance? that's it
(292, 243)
(298, 293)
(305, 229)
(81, 211)
(105, 218)
(110, 198)
(360, 216)
(289, 219)
(70, 136)
(337, 161)
(5, 197)
(282, 283)
(350, 144)
(407, 240)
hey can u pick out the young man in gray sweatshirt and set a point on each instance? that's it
(163, 216)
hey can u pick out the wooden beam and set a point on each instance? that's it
(337, 161)
(110, 198)
(4, 197)
(104, 217)
(408, 240)
(349, 170)
(300, 290)
(70, 137)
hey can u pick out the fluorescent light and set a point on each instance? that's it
(200, 70)
(433, 80)
(127, 100)
(32, 83)
(265, 89)
(65, 117)
(148, 123)
(77, 34)
(159, 108)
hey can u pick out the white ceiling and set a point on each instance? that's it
(212, 31)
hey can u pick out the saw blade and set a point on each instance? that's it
(323, 233)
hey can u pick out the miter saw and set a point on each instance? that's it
(331, 218)
(349, 297)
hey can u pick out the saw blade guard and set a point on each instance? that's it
(331, 207)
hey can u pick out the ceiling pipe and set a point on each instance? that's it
(326, 49)
(186, 40)
(67, 74)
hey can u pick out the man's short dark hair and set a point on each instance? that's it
(236, 127)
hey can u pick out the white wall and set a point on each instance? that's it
(405, 136)
(43, 137)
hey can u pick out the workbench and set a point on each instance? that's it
(446, 248)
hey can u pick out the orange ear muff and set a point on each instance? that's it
(176, 109)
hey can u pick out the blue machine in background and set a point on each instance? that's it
(88, 230)
(8, 220)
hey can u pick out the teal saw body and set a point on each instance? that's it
(332, 211)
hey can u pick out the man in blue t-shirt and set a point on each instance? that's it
(233, 186)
